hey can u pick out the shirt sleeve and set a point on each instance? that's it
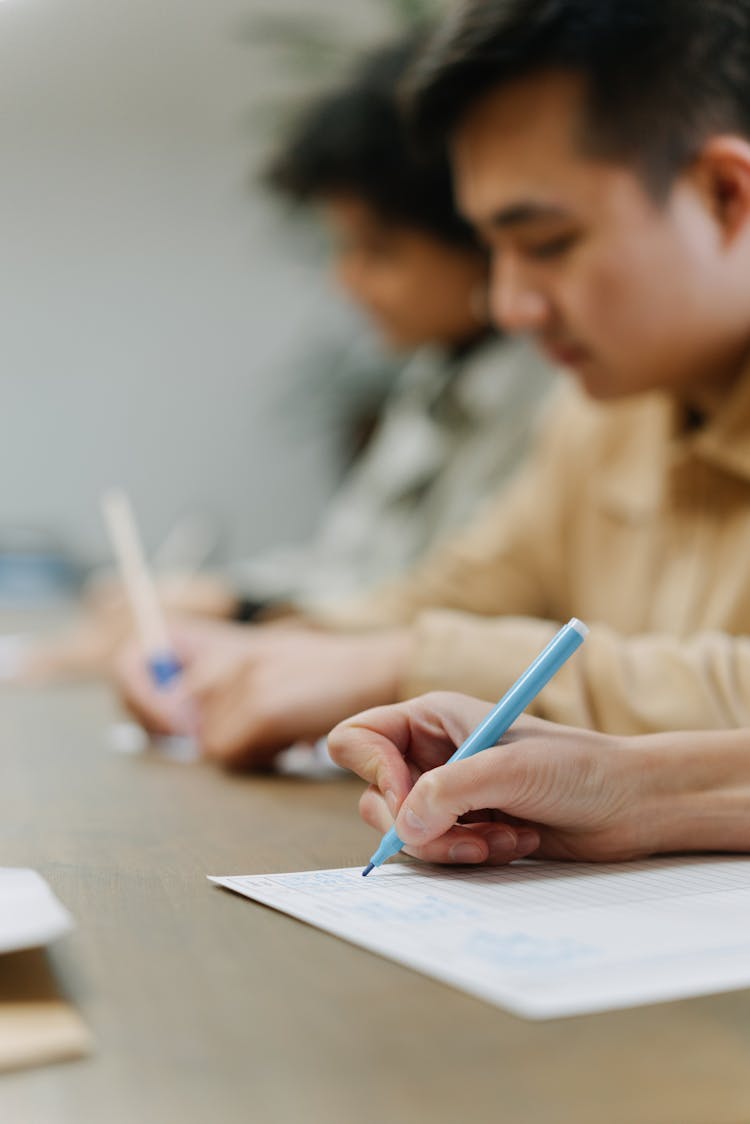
(616, 684)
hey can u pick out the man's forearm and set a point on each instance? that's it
(695, 790)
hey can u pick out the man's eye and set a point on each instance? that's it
(553, 247)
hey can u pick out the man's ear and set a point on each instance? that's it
(722, 172)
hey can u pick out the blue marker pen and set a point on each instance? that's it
(489, 732)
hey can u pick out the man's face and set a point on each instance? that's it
(629, 293)
(416, 289)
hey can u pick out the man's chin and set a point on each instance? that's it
(598, 383)
(607, 384)
(395, 341)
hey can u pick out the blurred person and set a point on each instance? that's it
(545, 791)
(456, 423)
(603, 155)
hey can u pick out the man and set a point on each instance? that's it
(454, 425)
(603, 153)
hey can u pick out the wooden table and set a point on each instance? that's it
(207, 1008)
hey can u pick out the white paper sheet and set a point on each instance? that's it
(544, 940)
(30, 914)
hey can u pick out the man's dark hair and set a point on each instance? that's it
(355, 140)
(661, 76)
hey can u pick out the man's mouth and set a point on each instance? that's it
(565, 354)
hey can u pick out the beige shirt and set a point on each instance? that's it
(627, 519)
(451, 431)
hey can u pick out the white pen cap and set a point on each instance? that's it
(581, 628)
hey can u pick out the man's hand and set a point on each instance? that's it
(198, 645)
(546, 790)
(258, 690)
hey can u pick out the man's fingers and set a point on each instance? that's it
(442, 796)
(491, 843)
(154, 709)
(372, 745)
(238, 729)
(374, 810)
(210, 673)
(161, 711)
(384, 745)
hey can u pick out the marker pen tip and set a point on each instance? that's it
(368, 868)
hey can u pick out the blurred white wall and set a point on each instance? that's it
(150, 314)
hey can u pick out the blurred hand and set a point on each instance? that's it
(173, 710)
(546, 790)
(258, 690)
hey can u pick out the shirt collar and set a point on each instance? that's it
(725, 439)
(649, 438)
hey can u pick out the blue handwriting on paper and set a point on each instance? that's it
(329, 880)
(430, 907)
(523, 950)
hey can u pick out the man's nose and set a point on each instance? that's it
(517, 305)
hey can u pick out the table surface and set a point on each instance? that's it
(206, 1007)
